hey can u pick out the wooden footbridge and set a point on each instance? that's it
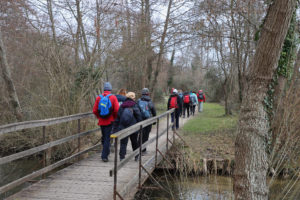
(90, 178)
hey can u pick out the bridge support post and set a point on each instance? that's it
(168, 121)
(156, 145)
(115, 168)
(44, 154)
(140, 156)
(79, 138)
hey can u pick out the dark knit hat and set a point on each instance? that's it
(107, 86)
(145, 91)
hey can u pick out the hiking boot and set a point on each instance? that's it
(136, 158)
(104, 159)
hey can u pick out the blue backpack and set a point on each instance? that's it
(145, 110)
(104, 107)
(127, 118)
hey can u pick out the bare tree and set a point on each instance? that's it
(6, 74)
(250, 175)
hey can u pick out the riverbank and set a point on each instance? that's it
(211, 134)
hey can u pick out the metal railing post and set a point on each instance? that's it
(174, 125)
(140, 156)
(156, 146)
(168, 119)
(115, 169)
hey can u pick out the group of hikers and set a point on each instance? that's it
(185, 102)
(117, 112)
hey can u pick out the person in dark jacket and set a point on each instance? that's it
(148, 110)
(128, 115)
(106, 123)
(180, 94)
(121, 96)
(175, 102)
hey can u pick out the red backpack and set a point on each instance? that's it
(186, 99)
(173, 102)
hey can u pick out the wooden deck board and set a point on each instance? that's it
(89, 178)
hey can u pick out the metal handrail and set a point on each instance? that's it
(127, 132)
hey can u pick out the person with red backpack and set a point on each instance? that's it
(201, 100)
(175, 102)
(106, 110)
(186, 104)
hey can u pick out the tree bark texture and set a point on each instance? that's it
(250, 146)
(161, 49)
(13, 97)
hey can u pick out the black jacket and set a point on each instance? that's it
(150, 104)
(128, 103)
(179, 103)
(120, 98)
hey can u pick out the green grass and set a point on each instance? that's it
(211, 134)
(211, 119)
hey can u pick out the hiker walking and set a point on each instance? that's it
(106, 109)
(194, 102)
(180, 94)
(147, 110)
(186, 104)
(121, 96)
(174, 101)
(128, 115)
(201, 100)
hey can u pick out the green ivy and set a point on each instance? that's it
(284, 68)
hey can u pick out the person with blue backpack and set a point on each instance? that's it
(128, 115)
(106, 110)
(194, 102)
(148, 110)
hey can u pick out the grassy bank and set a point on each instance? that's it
(211, 134)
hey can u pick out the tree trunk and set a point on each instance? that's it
(50, 13)
(13, 97)
(161, 49)
(250, 147)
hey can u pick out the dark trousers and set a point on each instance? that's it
(145, 137)
(175, 116)
(186, 107)
(106, 131)
(134, 143)
(193, 107)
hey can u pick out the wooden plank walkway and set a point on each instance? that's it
(89, 178)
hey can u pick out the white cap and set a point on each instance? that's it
(175, 91)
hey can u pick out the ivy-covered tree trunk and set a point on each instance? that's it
(250, 175)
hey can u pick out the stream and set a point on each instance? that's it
(207, 188)
(15, 170)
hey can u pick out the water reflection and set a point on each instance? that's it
(209, 188)
(15, 170)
